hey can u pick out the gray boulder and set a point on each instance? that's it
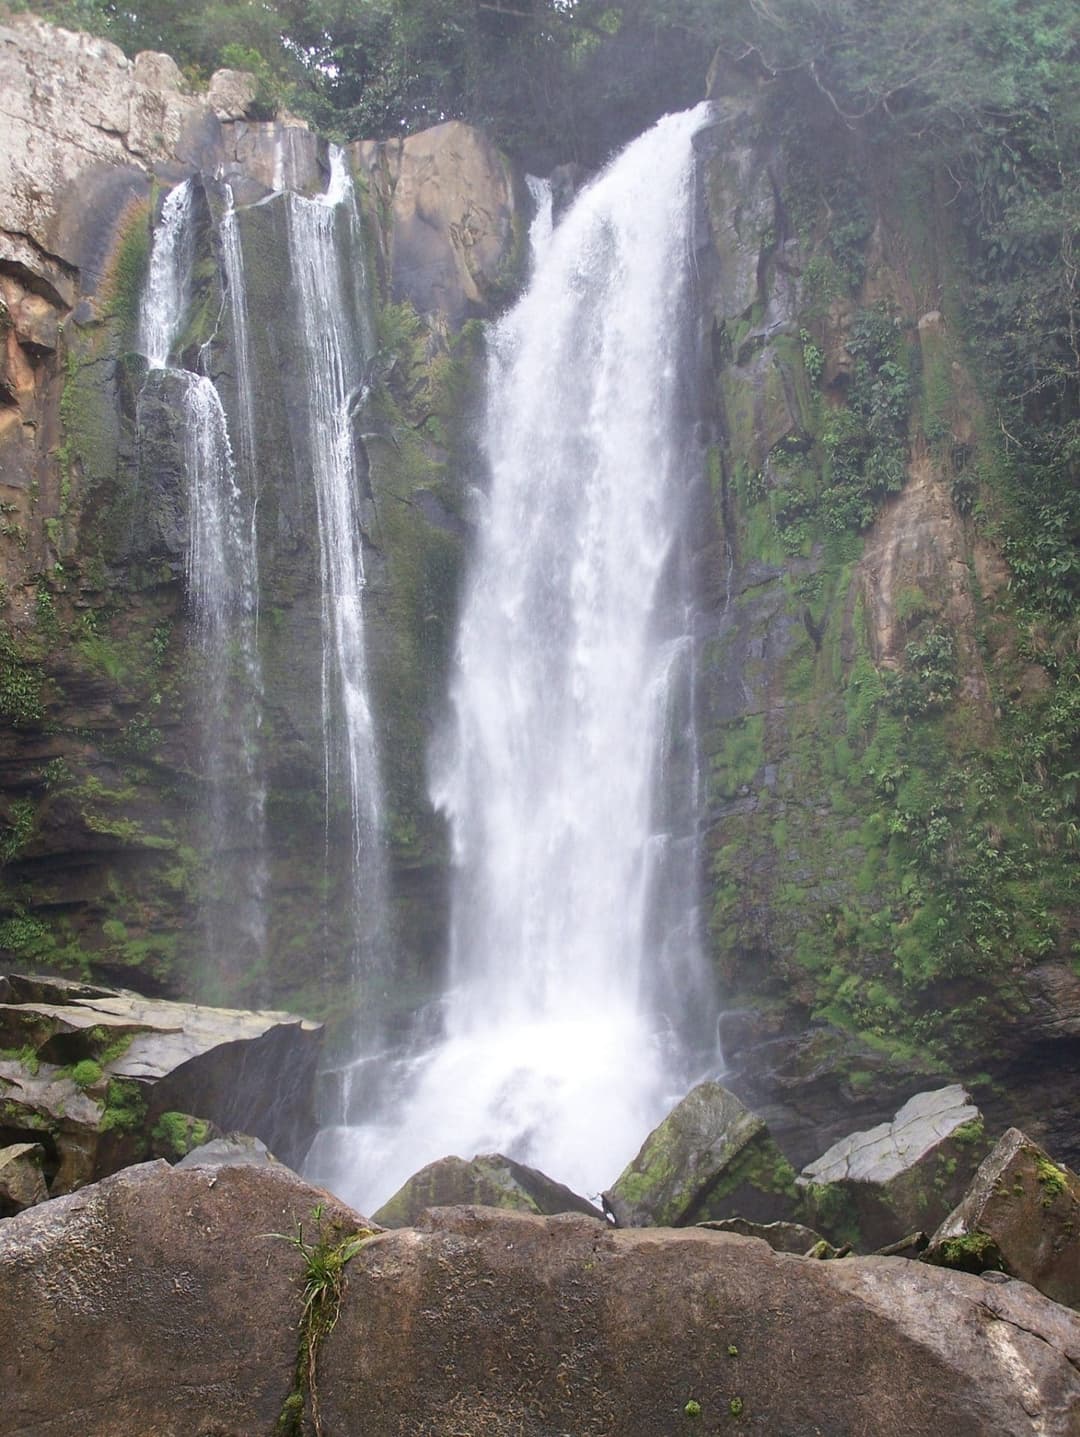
(102, 1078)
(22, 1183)
(873, 1187)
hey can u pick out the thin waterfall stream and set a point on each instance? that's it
(574, 951)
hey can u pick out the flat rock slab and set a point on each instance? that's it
(873, 1187)
(155, 1301)
(1021, 1215)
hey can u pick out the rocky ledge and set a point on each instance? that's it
(96, 1078)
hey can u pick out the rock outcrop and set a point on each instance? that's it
(99, 1077)
(1021, 1215)
(875, 1186)
(490, 1180)
(176, 1309)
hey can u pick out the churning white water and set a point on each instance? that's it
(559, 1046)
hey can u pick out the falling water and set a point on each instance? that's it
(324, 245)
(222, 575)
(167, 283)
(574, 940)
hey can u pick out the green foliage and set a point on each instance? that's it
(1051, 1179)
(86, 1074)
(20, 684)
(125, 1107)
(692, 1408)
(177, 1133)
(929, 678)
(21, 822)
(325, 1259)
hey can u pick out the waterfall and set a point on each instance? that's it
(167, 282)
(568, 773)
(323, 237)
(222, 582)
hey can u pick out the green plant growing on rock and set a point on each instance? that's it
(325, 1260)
(86, 1074)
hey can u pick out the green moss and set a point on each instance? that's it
(175, 1134)
(737, 756)
(973, 1252)
(125, 1107)
(1052, 1179)
(86, 1074)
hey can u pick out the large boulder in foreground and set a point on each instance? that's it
(710, 1158)
(873, 1187)
(1021, 1215)
(156, 1302)
(102, 1077)
(490, 1180)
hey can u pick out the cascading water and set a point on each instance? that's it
(326, 259)
(222, 577)
(571, 948)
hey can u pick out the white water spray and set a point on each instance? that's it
(571, 948)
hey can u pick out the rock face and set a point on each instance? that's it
(491, 1180)
(455, 228)
(1021, 1215)
(710, 1158)
(875, 1186)
(97, 1076)
(487, 1323)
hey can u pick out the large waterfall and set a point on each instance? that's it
(574, 934)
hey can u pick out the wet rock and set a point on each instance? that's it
(710, 1158)
(98, 1075)
(491, 1180)
(1020, 1216)
(872, 1187)
(22, 1183)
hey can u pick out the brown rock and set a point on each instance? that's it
(168, 1293)
(1021, 1215)
(155, 1302)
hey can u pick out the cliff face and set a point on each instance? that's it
(882, 904)
(884, 901)
(104, 788)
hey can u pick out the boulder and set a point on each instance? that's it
(781, 1236)
(160, 1300)
(22, 1184)
(1021, 1216)
(710, 1158)
(180, 1291)
(873, 1187)
(491, 1180)
(231, 93)
(101, 1077)
(227, 1152)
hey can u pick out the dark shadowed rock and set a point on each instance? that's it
(155, 1302)
(1021, 1216)
(711, 1157)
(873, 1187)
(490, 1179)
